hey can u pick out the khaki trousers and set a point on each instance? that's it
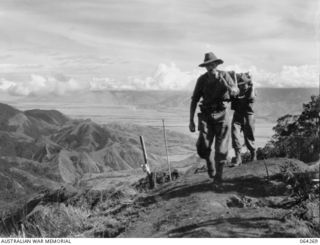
(214, 127)
(244, 122)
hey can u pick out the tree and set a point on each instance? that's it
(296, 136)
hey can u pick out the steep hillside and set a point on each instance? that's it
(178, 143)
(7, 112)
(33, 123)
(111, 146)
(43, 149)
(16, 144)
(49, 116)
(21, 178)
(83, 136)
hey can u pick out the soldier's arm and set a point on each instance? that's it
(192, 125)
(193, 105)
(251, 94)
(197, 93)
(229, 83)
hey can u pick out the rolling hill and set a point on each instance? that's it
(43, 149)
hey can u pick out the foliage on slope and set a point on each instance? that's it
(296, 136)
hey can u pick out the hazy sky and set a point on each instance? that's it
(96, 44)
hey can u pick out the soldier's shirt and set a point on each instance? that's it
(212, 89)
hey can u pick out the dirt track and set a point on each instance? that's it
(248, 205)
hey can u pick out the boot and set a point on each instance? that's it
(211, 174)
(253, 155)
(217, 180)
(238, 159)
(210, 169)
(219, 171)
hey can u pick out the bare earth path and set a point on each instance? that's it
(248, 205)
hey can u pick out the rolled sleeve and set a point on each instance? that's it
(234, 90)
(229, 80)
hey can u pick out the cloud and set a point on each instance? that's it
(299, 76)
(43, 85)
(165, 77)
(98, 84)
(170, 77)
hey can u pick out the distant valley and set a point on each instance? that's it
(271, 103)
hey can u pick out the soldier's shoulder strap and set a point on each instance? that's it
(229, 75)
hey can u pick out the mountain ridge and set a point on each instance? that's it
(59, 150)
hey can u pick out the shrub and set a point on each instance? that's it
(296, 136)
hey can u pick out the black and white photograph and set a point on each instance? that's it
(159, 119)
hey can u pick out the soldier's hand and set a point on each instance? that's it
(192, 127)
(234, 91)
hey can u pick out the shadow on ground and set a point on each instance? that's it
(232, 227)
(249, 186)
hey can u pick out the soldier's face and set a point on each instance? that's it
(244, 87)
(211, 66)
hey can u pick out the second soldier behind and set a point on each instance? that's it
(243, 117)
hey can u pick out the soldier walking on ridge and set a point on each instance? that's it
(243, 117)
(215, 88)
